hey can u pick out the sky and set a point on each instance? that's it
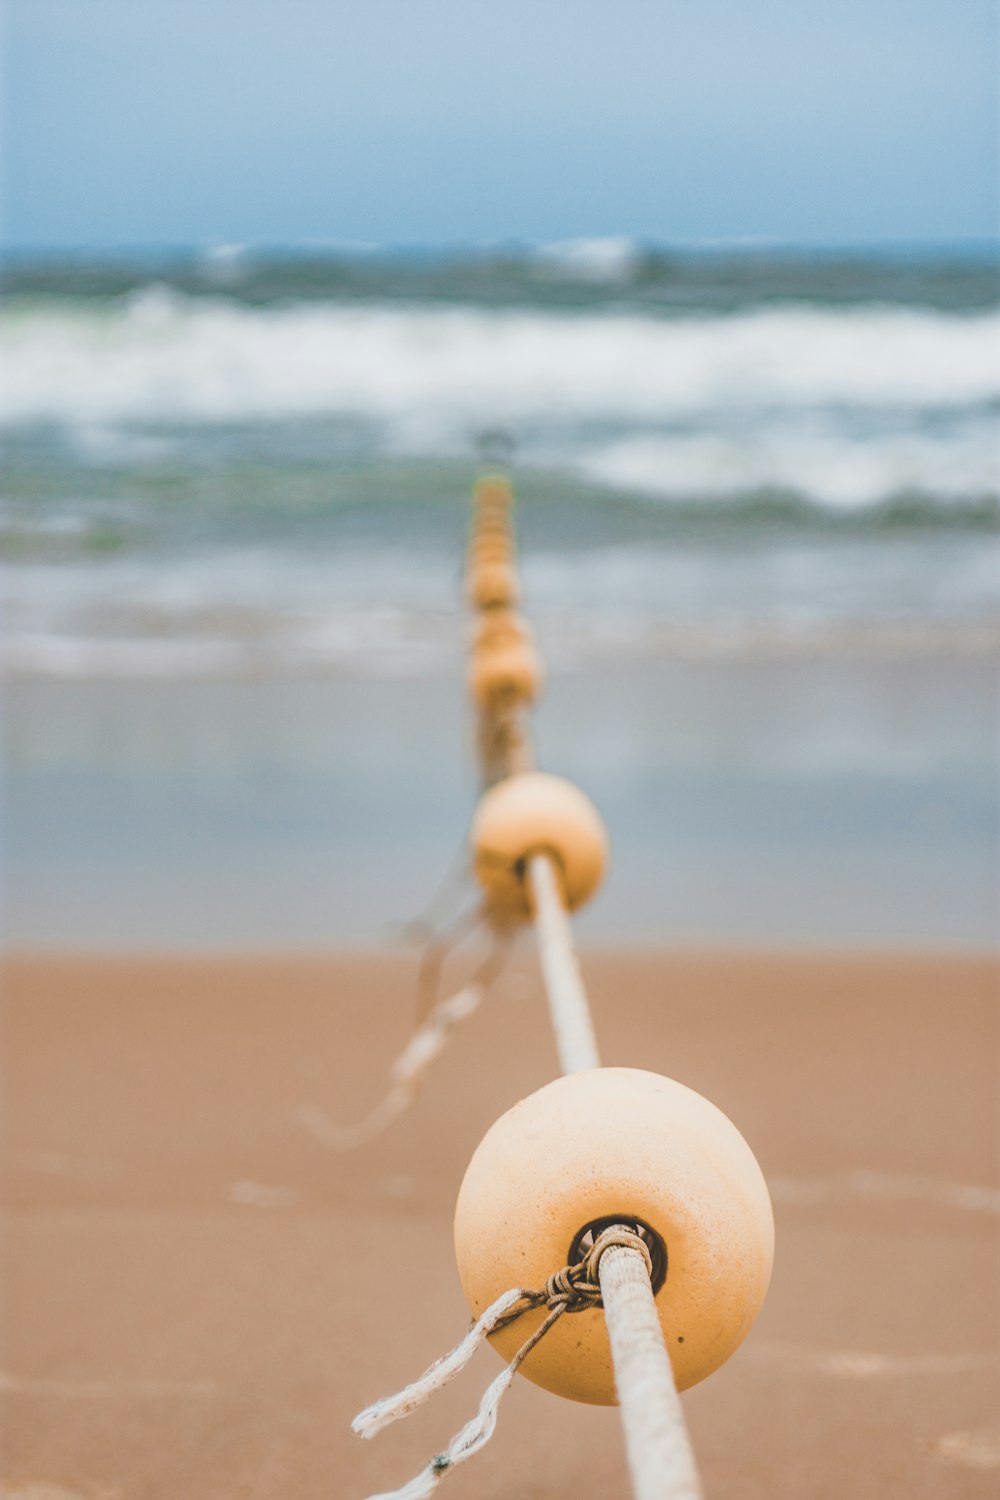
(131, 122)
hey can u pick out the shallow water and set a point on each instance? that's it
(833, 802)
(759, 506)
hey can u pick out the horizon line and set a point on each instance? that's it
(635, 245)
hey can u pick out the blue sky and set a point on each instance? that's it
(430, 121)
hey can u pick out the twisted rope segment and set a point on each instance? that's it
(575, 1288)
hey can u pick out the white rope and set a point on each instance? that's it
(407, 1072)
(574, 1030)
(656, 1439)
(390, 1408)
(473, 1436)
(477, 1431)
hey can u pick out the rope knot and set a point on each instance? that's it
(570, 1289)
(617, 1236)
(577, 1287)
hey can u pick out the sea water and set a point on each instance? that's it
(759, 497)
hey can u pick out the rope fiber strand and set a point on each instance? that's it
(425, 1045)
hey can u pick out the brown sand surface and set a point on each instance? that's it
(199, 1293)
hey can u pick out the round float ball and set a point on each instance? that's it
(488, 522)
(534, 813)
(483, 562)
(505, 671)
(608, 1146)
(490, 550)
(490, 515)
(492, 539)
(492, 533)
(492, 490)
(501, 624)
(492, 584)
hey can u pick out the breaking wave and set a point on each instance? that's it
(846, 407)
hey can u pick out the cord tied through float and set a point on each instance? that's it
(575, 1288)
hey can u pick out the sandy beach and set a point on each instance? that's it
(199, 1292)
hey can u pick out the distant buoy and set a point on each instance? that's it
(493, 584)
(491, 550)
(533, 813)
(492, 491)
(492, 518)
(617, 1144)
(489, 538)
(505, 671)
(501, 625)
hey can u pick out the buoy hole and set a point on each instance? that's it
(521, 871)
(584, 1241)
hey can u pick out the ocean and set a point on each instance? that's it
(231, 467)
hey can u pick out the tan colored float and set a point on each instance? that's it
(493, 490)
(535, 813)
(505, 671)
(492, 584)
(491, 549)
(610, 1145)
(496, 625)
(491, 521)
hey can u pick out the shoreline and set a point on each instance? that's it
(832, 804)
(694, 950)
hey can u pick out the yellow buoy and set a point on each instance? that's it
(496, 625)
(487, 537)
(533, 813)
(490, 550)
(492, 517)
(492, 584)
(504, 671)
(492, 491)
(607, 1146)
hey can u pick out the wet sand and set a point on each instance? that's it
(199, 1293)
(841, 802)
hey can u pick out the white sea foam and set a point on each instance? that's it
(608, 258)
(847, 408)
(830, 403)
(842, 471)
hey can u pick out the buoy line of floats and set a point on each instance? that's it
(613, 1232)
